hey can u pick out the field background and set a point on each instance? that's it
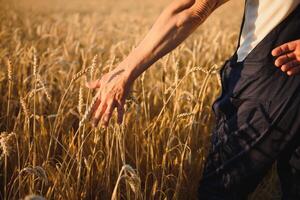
(48, 49)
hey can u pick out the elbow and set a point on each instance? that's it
(180, 5)
(187, 17)
(192, 11)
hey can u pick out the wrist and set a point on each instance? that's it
(131, 68)
(127, 72)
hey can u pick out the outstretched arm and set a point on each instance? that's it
(172, 27)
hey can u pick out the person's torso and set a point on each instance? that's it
(261, 17)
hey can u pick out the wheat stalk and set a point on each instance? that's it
(45, 90)
(10, 83)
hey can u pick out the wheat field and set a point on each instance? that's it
(49, 49)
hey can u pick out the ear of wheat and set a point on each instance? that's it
(25, 108)
(7, 141)
(9, 70)
(79, 74)
(88, 111)
(80, 101)
(37, 171)
(93, 66)
(131, 177)
(34, 197)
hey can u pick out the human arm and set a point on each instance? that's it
(288, 57)
(172, 27)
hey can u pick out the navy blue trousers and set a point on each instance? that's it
(257, 123)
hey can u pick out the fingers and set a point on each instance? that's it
(104, 113)
(288, 66)
(93, 84)
(293, 68)
(110, 94)
(94, 104)
(294, 71)
(100, 111)
(285, 48)
(120, 109)
(107, 115)
(94, 108)
(286, 58)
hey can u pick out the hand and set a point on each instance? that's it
(288, 57)
(112, 90)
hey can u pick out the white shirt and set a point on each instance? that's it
(261, 16)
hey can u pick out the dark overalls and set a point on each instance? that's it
(257, 123)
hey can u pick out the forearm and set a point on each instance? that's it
(172, 27)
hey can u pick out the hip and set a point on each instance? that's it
(256, 83)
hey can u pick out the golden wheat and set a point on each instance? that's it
(159, 150)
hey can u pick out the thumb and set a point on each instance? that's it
(93, 84)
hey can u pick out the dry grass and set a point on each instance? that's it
(47, 52)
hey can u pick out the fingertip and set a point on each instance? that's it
(278, 62)
(94, 123)
(119, 122)
(104, 125)
(120, 118)
(276, 51)
(88, 85)
(92, 84)
(105, 122)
